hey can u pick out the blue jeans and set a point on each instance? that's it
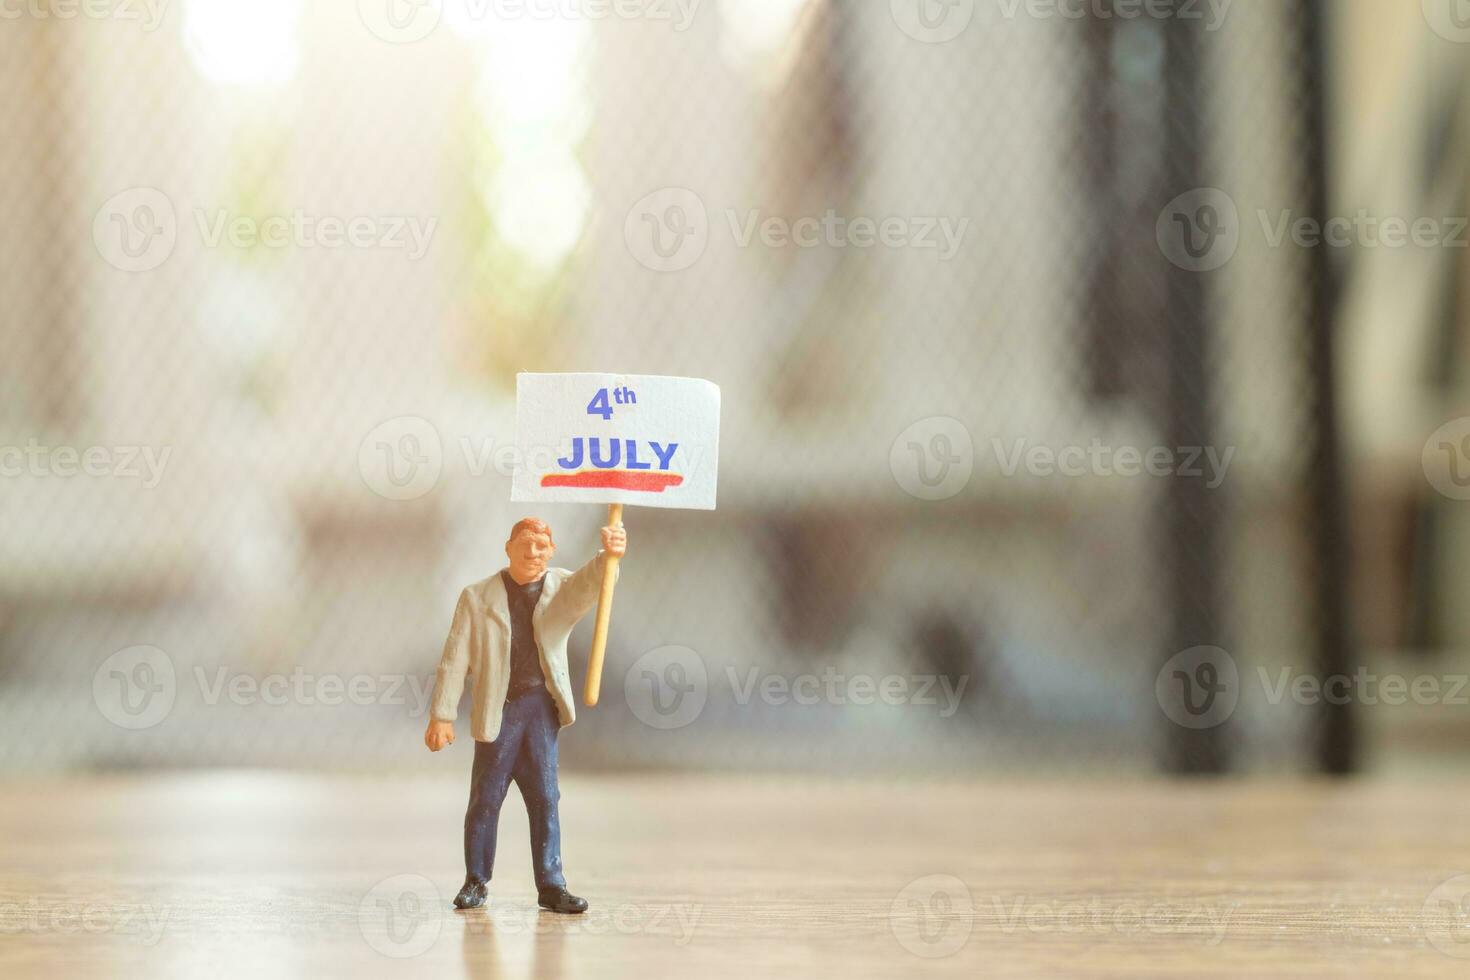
(525, 750)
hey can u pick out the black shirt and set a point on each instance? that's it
(525, 659)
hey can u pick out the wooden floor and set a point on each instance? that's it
(281, 875)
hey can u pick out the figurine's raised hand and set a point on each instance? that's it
(439, 734)
(615, 540)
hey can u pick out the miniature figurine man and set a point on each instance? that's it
(510, 634)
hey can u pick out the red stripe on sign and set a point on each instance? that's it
(614, 480)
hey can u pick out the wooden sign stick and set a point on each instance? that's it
(604, 614)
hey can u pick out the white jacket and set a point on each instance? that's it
(479, 644)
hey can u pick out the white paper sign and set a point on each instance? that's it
(617, 439)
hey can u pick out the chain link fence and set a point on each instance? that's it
(1020, 402)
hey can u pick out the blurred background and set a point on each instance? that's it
(1035, 379)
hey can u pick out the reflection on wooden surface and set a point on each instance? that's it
(300, 875)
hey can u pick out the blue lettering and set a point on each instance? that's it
(605, 464)
(590, 449)
(575, 461)
(633, 463)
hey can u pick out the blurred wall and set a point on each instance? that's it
(284, 390)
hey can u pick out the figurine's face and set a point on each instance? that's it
(529, 553)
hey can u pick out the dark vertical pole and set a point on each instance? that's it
(1191, 511)
(1105, 350)
(1335, 748)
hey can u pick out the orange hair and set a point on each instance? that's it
(533, 524)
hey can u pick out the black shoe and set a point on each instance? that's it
(556, 898)
(472, 895)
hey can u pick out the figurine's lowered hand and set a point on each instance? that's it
(615, 540)
(439, 734)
